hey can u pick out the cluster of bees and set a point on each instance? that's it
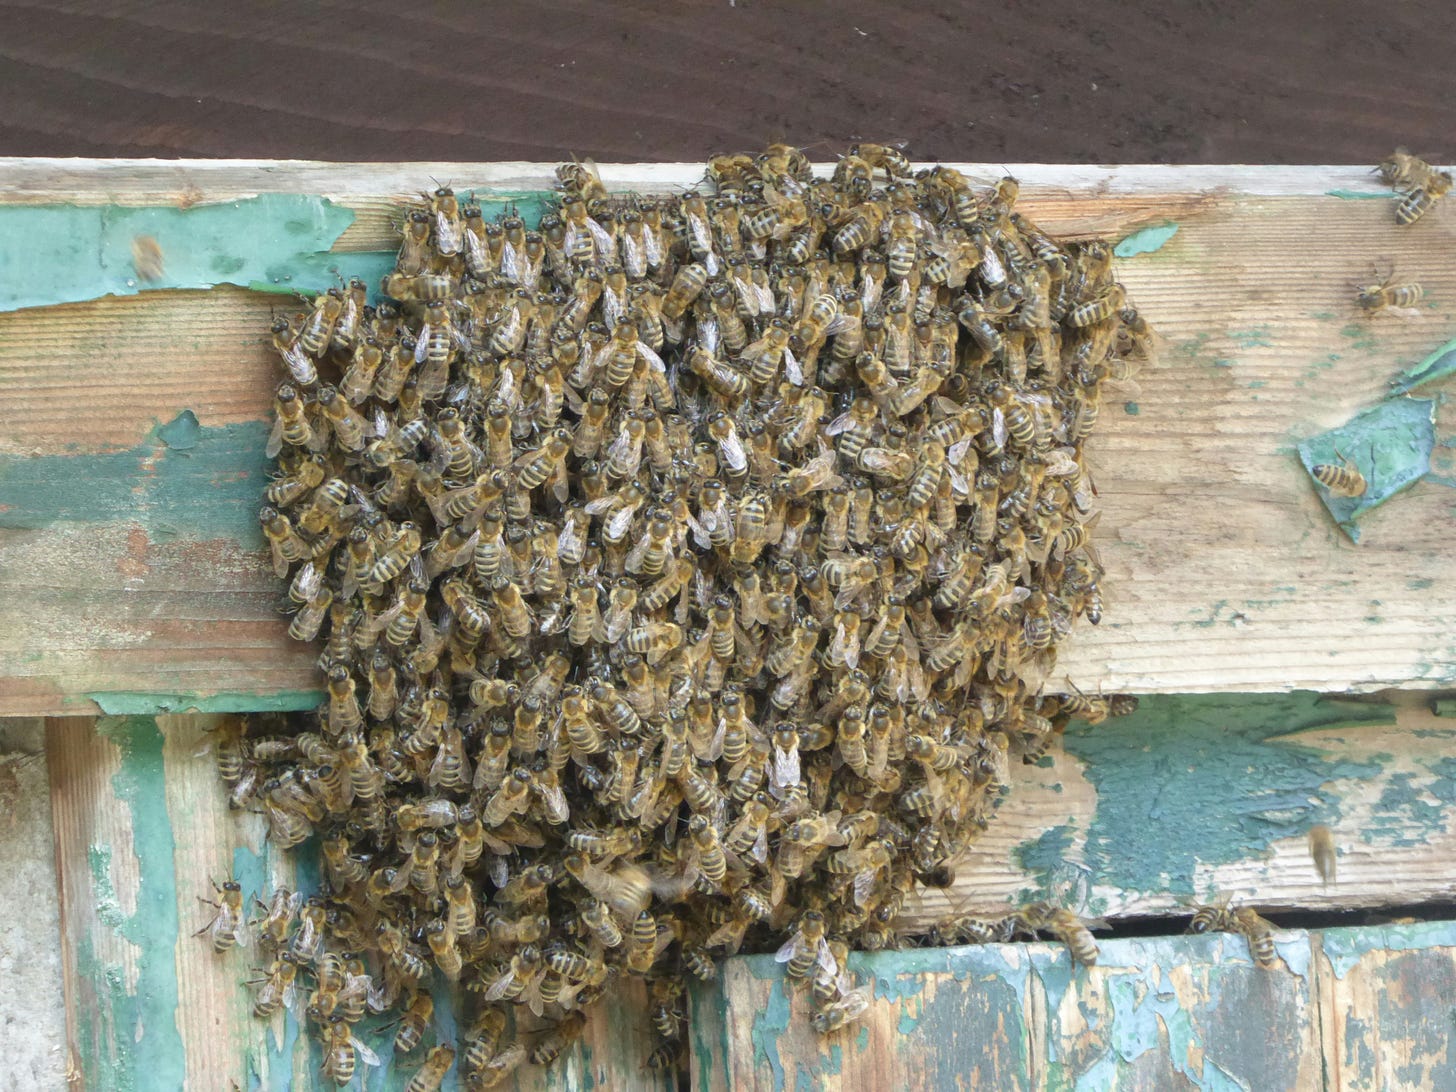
(1419, 184)
(688, 571)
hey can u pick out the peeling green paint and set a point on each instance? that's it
(1132, 409)
(1345, 948)
(1440, 363)
(130, 1040)
(1254, 337)
(769, 1025)
(1145, 241)
(108, 906)
(64, 253)
(1358, 195)
(1169, 766)
(154, 702)
(1390, 444)
(211, 487)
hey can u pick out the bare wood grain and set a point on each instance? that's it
(1224, 571)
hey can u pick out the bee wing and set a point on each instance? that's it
(759, 850)
(733, 453)
(786, 769)
(654, 361)
(275, 439)
(422, 346)
(998, 427)
(789, 948)
(606, 243)
(793, 371)
(554, 800)
(600, 505)
(824, 958)
(864, 885)
(500, 987)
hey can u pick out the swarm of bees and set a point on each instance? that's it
(1420, 184)
(688, 570)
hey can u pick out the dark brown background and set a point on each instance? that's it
(1303, 81)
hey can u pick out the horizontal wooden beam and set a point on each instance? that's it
(129, 566)
(1206, 795)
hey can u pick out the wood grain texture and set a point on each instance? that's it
(1197, 798)
(1224, 573)
(655, 80)
(142, 828)
(1385, 1001)
(1153, 1014)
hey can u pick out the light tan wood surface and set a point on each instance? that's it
(1224, 572)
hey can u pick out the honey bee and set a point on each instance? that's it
(228, 926)
(276, 989)
(1421, 198)
(1342, 479)
(414, 1021)
(1098, 309)
(343, 1051)
(1377, 297)
(1322, 852)
(1259, 934)
(841, 1013)
(883, 157)
(554, 1043)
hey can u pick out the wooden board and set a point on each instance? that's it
(1350, 1008)
(142, 826)
(131, 570)
(1155, 1013)
(1209, 795)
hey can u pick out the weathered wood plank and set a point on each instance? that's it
(1155, 1013)
(1216, 795)
(142, 827)
(1385, 1004)
(1224, 572)
(32, 1004)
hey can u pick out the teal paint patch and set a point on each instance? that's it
(64, 253)
(211, 488)
(1132, 409)
(862, 1041)
(152, 703)
(146, 1040)
(1255, 337)
(1344, 948)
(768, 1026)
(1169, 766)
(1100, 1076)
(1444, 707)
(310, 274)
(1439, 364)
(108, 906)
(1218, 1079)
(1359, 195)
(1390, 444)
(1145, 240)
(833, 1065)
(180, 433)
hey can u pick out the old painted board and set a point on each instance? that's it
(1214, 794)
(142, 828)
(1388, 1002)
(1155, 1013)
(125, 568)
